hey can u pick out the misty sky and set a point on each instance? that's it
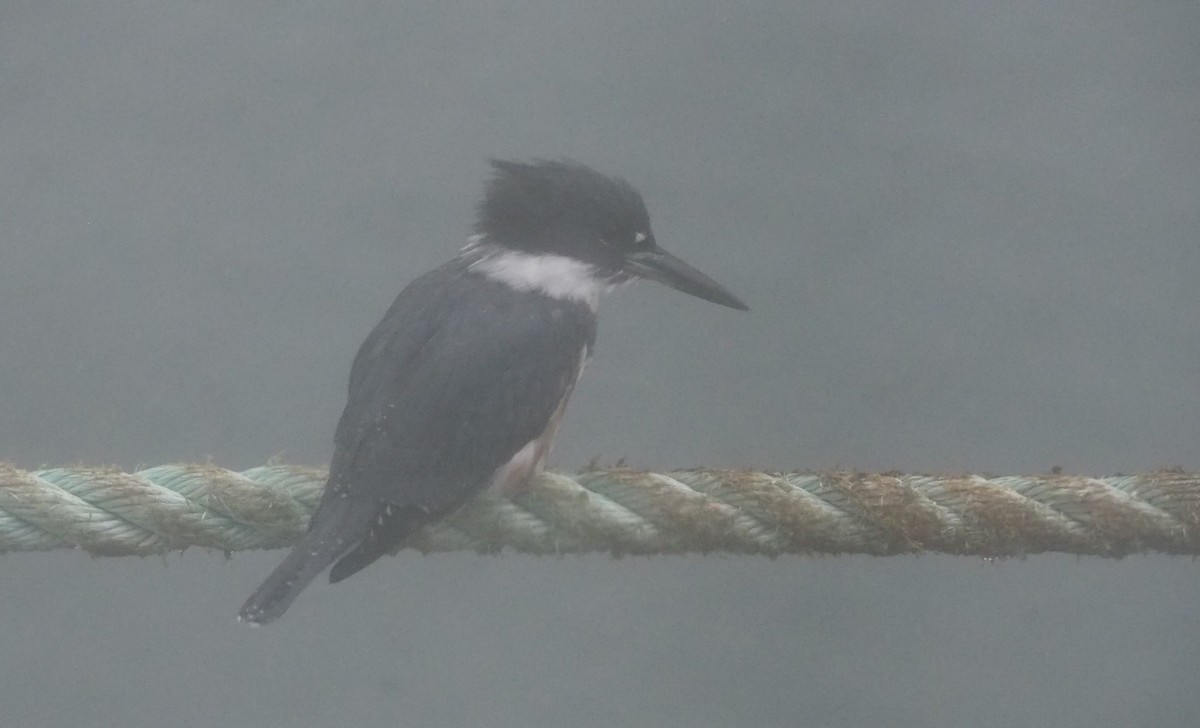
(968, 233)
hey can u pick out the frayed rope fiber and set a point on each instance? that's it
(107, 512)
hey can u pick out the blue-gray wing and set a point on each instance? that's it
(460, 374)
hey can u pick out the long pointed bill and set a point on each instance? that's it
(659, 265)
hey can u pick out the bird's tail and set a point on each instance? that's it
(320, 547)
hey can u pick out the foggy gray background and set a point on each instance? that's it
(968, 233)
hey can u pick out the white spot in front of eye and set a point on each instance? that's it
(639, 238)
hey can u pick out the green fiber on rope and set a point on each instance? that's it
(107, 512)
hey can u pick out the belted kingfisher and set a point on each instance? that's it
(462, 385)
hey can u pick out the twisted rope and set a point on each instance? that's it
(107, 512)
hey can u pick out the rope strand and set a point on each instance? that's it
(107, 512)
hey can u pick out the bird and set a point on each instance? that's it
(462, 385)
